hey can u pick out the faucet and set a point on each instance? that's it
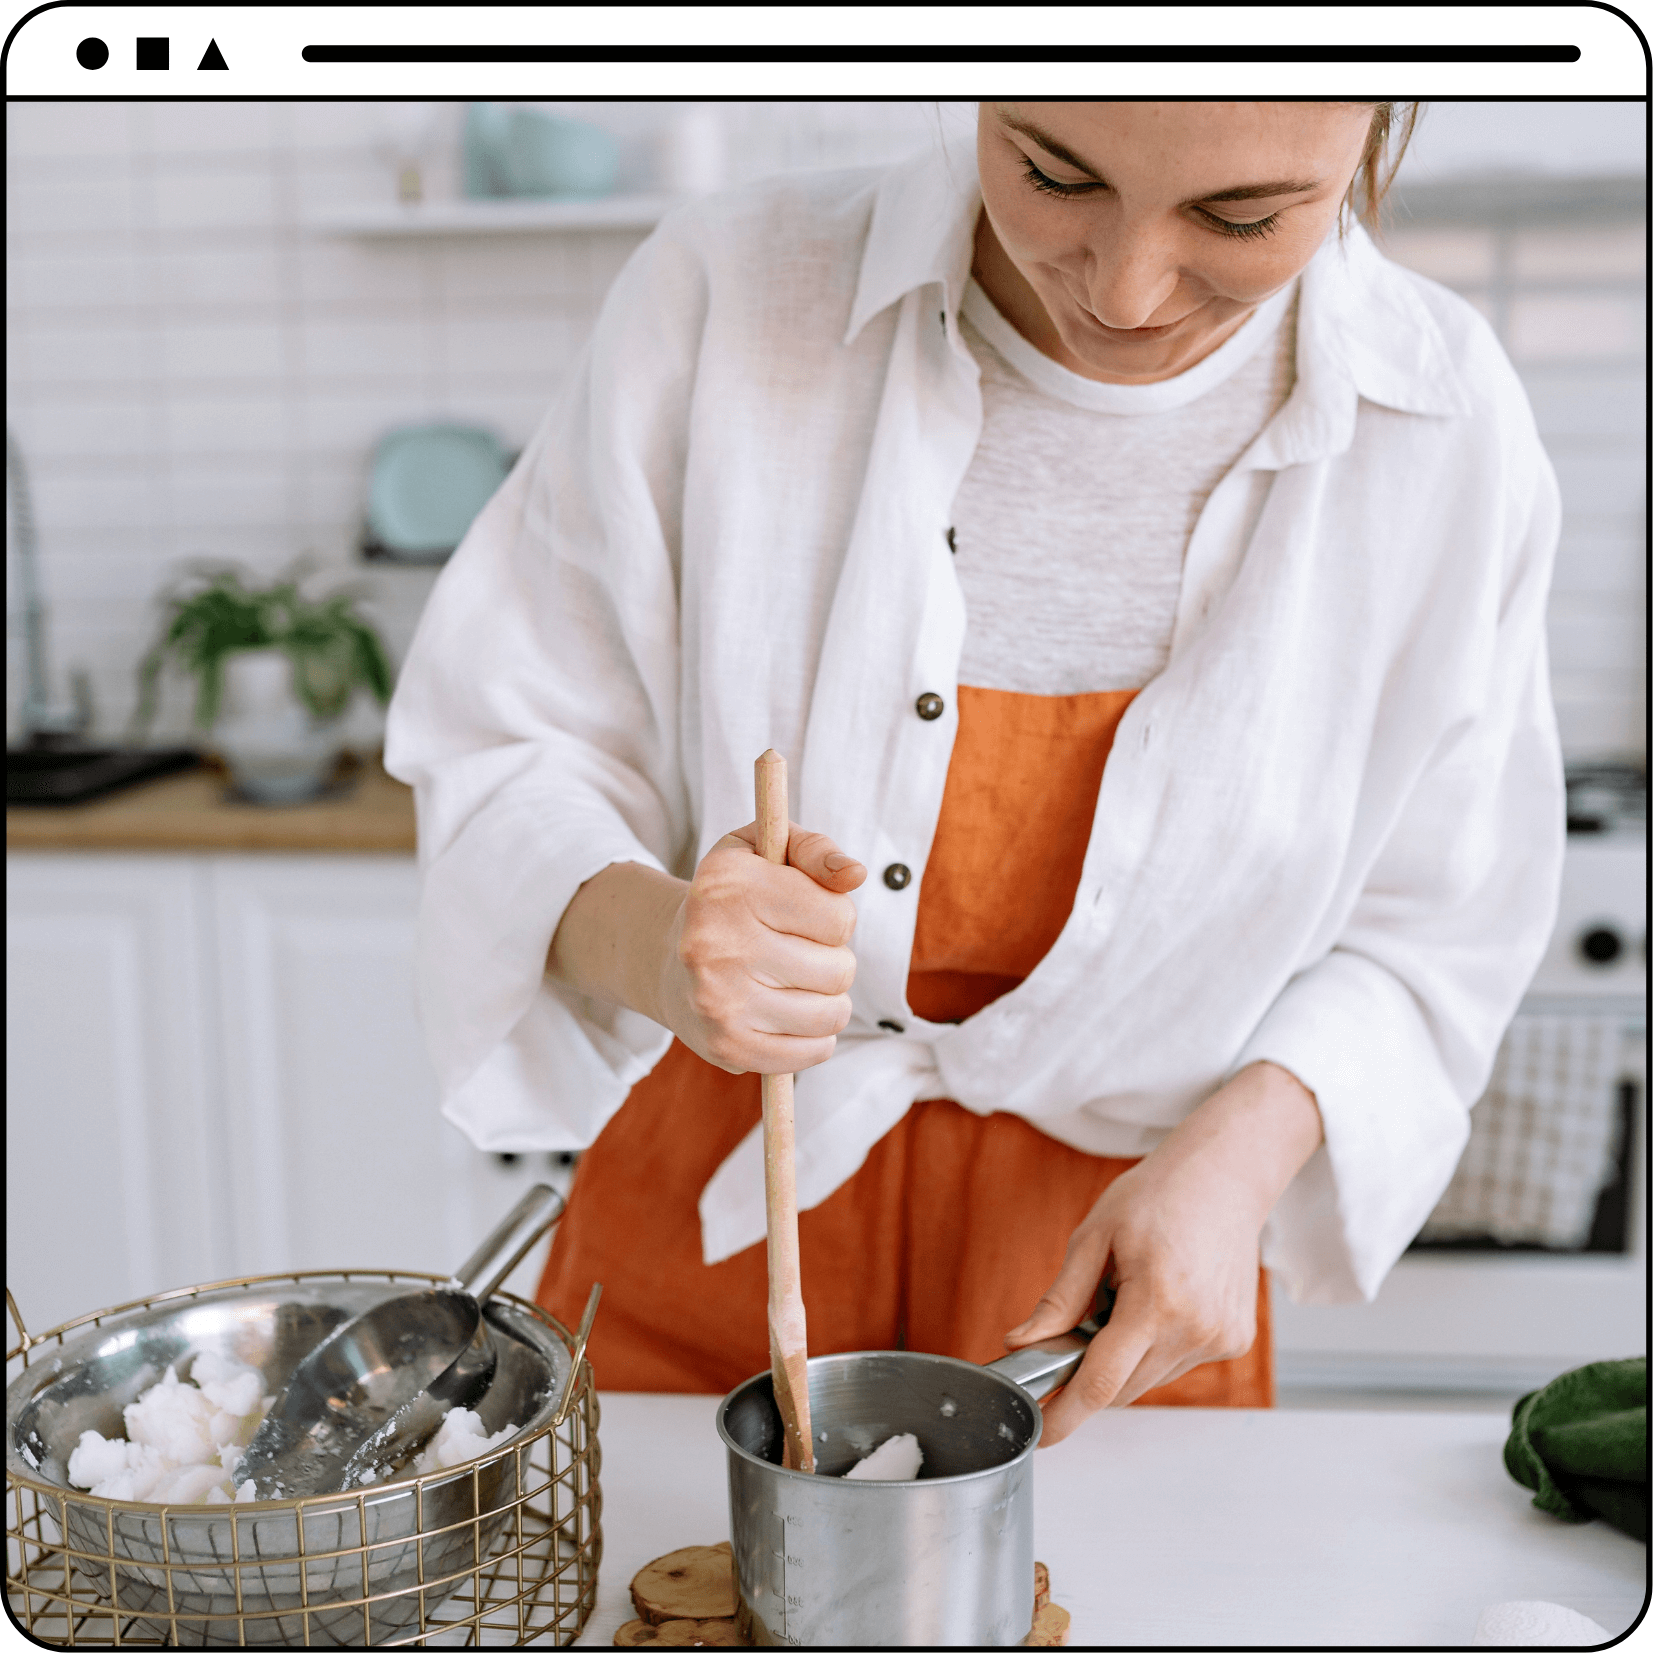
(44, 725)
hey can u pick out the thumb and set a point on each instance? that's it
(829, 866)
(811, 853)
(1068, 1299)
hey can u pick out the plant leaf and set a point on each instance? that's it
(214, 610)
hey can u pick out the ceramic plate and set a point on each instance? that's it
(428, 483)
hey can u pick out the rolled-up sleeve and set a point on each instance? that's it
(1396, 1027)
(536, 717)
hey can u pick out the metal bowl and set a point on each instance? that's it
(341, 1570)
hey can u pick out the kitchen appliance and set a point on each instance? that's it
(76, 774)
(54, 766)
(1487, 1300)
(1548, 1163)
(947, 1560)
(504, 1548)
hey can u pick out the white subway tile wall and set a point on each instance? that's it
(195, 371)
(1569, 302)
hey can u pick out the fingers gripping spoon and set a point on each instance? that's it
(373, 1389)
(788, 1343)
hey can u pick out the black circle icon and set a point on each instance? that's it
(91, 53)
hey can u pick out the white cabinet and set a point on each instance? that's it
(214, 1068)
(331, 1105)
(111, 1133)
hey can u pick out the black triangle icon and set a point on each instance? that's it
(213, 58)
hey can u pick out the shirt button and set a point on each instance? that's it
(893, 1027)
(929, 706)
(898, 875)
(953, 542)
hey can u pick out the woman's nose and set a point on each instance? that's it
(1129, 281)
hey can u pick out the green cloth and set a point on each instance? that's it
(1581, 1444)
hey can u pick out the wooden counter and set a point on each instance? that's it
(193, 811)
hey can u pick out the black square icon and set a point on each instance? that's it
(152, 51)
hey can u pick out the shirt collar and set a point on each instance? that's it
(1364, 332)
(923, 230)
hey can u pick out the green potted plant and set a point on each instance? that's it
(274, 672)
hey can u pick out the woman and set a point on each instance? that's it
(1114, 444)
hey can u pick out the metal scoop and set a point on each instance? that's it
(374, 1389)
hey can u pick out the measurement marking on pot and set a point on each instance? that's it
(788, 1601)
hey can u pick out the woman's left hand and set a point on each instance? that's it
(1178, 1238)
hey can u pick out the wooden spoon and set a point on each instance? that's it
(789, 1346)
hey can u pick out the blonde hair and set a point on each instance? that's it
(1387, 139)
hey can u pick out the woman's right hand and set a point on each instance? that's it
(749, 963)
(757, 971)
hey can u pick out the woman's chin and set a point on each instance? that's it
(1143, 361)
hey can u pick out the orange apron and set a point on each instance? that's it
(956, 1223)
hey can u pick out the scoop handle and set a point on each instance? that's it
(1043, 1367)
(508, 1242)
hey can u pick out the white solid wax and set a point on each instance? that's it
(181, 1445)
(462, 1437)
(896, 1460)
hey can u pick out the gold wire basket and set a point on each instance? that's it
(501, 1550)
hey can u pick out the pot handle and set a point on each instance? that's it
(1041, 1368)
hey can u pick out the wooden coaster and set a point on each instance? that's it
(714, 1633)
(687, 1599)
(696, 1583)
(1050, 1622)
(1051, 1625)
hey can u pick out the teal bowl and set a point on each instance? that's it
(543, 155)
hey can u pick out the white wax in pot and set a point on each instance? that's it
(896, 1460)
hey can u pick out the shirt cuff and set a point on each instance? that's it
(1394, 1128)
(523, 1062)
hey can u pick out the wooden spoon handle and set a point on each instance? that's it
(789, 1344)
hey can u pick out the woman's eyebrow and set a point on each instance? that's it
(1256, 192)
(1050, 145)
(1241, 192)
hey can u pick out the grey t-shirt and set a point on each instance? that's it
(1071, 523)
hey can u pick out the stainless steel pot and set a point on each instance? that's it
(947, 1560)
(335, 1570)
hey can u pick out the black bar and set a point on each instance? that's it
(1066, 53)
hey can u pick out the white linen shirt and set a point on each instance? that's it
(1329, 833)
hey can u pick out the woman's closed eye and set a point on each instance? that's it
(1047, 185)
(1256, 227)
(1055, 186)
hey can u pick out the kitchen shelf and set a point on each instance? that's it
(395, 221)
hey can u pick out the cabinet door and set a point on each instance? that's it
(339, 1156)
(111, 1147)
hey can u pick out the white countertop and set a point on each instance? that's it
(1171, 1526)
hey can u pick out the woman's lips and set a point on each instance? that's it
(1129, 334)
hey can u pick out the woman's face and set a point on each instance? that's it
(1128, 240)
